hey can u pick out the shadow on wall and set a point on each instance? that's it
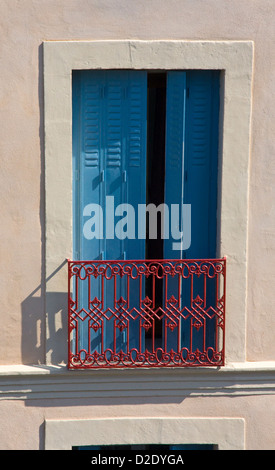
(37, 323)
(41, 312)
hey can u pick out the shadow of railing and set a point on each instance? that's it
(44, 325)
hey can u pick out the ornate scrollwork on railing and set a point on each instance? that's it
(146, 313)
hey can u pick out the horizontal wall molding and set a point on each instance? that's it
(57, 382)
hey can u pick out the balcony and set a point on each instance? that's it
(146, 313)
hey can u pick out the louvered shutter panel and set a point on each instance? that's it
(109, 147)
(135, 164)
(112, 127)
(134, 177)
(191, 178)
(201, 164)
(201, 160)
(174, 158)
(126, 182)
(174, 187)
(88, 164)
(91, 161)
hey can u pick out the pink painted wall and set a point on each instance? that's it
(23, 27)
(23, 426)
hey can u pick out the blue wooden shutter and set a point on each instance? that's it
(201, 162)
(174, 188)
(135, 161)
(109, 148)
(88, 163)
(135, 175)
(191, 178)
(192, 156)
(109, 155)
(174, 161)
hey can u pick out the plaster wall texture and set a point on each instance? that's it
(23, 28)
(24, 426)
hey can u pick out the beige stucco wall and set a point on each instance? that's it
(25, 426)
(23, 28)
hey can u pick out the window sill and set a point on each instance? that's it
(237, 367)
(22, 382)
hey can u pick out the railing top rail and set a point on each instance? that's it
(164, 260)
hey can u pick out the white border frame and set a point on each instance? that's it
(235, 58)
(227, 433)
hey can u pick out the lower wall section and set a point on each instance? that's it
(226, 433)
(45, 407)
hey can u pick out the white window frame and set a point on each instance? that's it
(235, 60)
(226, 433)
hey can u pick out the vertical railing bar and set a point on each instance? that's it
(76, 291)
(165, 293)
(154, 291)
(140, 292)
(217, 318)
(115, 299)
(115, 328)
(165, 315)
(205, 306)
(77, 307)
(89, 290)
(69, 312)
(114, 321)
(191, 334)
(102, 292)
(78, 328)
(204, 289)
(153, 308)
(224, 300)
(179, 290)
(204, 335)
(102, 305)
(128, 291)
(76, 339)
(179, 308)
(128, 336)
(140, 318)
(89, 338)
(191, 289)
(89, 325)
(191, 320)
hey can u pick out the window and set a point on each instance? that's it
(235, 60)
(150, 447)
(145, 139)
(133, 149)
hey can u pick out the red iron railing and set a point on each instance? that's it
(146, 313)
